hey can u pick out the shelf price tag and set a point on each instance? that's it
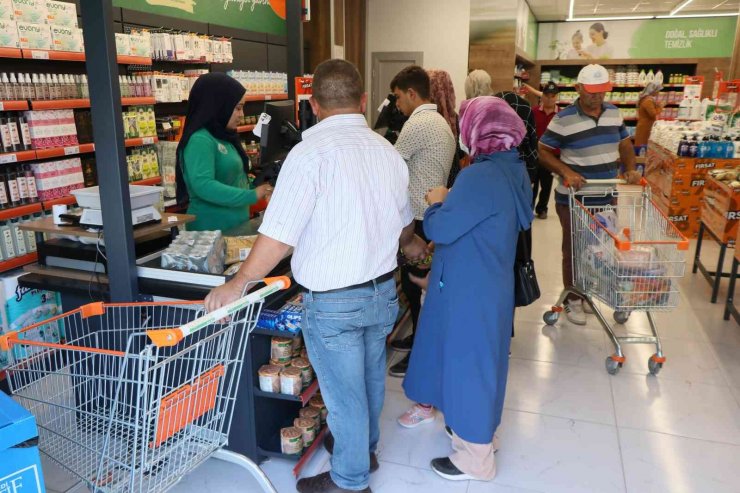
(40, 55)
(8, 158)
(71, 150)
(2, 107)
(268, 97)
(147, 140)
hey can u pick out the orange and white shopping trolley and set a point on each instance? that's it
(628, 255)
(142, 393)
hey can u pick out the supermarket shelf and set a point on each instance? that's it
(68, 200)
(60, 104)
(65, 151)
(266, 97)
(13, 105)
(10, 53)
(17, 157)
(137, 101)
(71, 56)
(149, 181)
(274, 332)
(23, 210)
(245, 128)
(273, 449)
(303, 398)
(14, 263)
(625, 86)
(618, 103)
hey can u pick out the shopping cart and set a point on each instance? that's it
(142, 393)
(626, 254)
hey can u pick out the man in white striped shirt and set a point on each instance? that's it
(342, 202)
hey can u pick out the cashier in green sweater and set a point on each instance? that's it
(212, 166)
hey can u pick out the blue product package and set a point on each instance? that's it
(20, 464)
(21, 307)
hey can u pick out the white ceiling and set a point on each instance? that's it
(557, 10)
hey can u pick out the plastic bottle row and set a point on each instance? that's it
(710, 146)
(13, 241)
(43, 87)
(14, 133)
(256, 82)
(17, 186)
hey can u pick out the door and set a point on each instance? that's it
(385, 66)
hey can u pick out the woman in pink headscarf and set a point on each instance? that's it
(461, 353)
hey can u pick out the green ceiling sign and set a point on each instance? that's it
(265, 16)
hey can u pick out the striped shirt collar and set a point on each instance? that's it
(580, 111)
(348, 120)
(424, 107)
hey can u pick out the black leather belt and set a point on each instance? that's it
(368, 284)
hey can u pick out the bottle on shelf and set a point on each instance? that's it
(729, 148)
(650, 77)
(33, 193)
(20, 179)
(13, 88)
(15, 135)
(14, 194)
(693, 146)
(5, 140)
(695, 109)
(25, 133)
(659, 77)
(704, 147)
(6, 241)
(4, 202)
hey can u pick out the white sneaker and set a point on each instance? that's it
(574, 312)
(587, 308)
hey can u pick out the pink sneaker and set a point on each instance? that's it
(417, 415)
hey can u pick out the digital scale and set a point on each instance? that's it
(142, 200)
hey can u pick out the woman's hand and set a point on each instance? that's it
(436, 195)
(264, 191)
(422, 282)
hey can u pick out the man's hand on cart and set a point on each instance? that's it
(573, 180)
(223, 295)
(633, 177)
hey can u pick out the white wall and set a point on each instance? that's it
(439, 28)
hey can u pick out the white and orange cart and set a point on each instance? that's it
(626, 254)
(140, 394)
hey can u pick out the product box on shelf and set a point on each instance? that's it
(67, 39)
(123, 44)
(675, 187)
(721, 209)
(140, 43)
(7, 11)
(8, 34)
(33, 11)
(34, 36)
(20, 463)
(61, 13)
(56, 179)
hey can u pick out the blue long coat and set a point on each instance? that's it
(460, 358)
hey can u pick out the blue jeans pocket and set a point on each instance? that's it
(392, 315)
(340, 330)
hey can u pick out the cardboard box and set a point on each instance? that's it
(67, 39)
(61, 13)
(721, 210)
(686, 219)
(123, 44)
(34, 36)
(7, 11)
(31, 11)
(8, 34)
(20, 464)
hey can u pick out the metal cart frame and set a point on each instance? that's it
(142, 393)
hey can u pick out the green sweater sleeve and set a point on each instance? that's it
(200, 175)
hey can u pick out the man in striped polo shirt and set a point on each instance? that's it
(592, 140)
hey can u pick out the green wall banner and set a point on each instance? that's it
(265, 16)
(697, 37)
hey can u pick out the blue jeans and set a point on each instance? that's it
(345, 336)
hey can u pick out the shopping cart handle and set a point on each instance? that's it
(606, 182)
(171, 337)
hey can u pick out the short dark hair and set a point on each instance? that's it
(337, 84)
(412, 77)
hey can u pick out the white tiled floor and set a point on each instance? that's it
(568, 426)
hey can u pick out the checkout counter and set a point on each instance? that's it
(77, 271)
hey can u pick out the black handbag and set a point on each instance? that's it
(526, 288)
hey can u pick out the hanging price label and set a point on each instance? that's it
(8, 158)
(147, 140)
(71, 150)
(40, 55)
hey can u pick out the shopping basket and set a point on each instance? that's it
(626, 254)
(141, 393)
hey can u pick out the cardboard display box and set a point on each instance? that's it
(20, 464)
(721, 210)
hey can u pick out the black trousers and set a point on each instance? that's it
(542, 182)
(411, 290)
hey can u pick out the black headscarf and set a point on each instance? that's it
(528, 148)
(210, 106)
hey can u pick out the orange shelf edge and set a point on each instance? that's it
(266, 97)
(16, 262)
(140, 141)
(149, 181)
(22, 210)
(65, 151)
(11, 53)
(68, 200)
(134, 60)
(60, 104)
(17, 157)
(68, 56)
(245, 128)
(137, 101)
(20, 105)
